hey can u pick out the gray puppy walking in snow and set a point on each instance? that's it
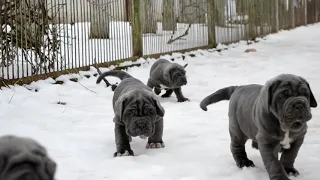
(169, 76)
(138, 112)
(24, 159)
(273, 116)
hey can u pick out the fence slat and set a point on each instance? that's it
(54, 37)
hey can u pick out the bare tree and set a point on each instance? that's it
(169, 22)
(192, 11)
(24, 25)
(148, 19)
(100, 19)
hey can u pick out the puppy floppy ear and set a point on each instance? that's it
(119, 105)
(167, 73)
(313, 101)
(50, 167)
(185, 65)
(267, 93)
(159, 108)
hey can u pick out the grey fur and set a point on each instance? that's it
(266, 114)
(137, 111)
(168, 74)
(24, 158)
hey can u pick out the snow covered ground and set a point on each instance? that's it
(80, 137)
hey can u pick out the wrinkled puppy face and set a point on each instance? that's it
(25, 159)
(290, 100)
(177, 74)
(140, 113)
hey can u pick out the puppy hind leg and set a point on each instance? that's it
(150, 84)
(168, 93)
(237, 146)
(156, 88)
(155, 141)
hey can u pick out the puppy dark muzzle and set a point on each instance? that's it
(22, 171)
(182, 81)
(140, 127)
(297, 108)
(297, 113)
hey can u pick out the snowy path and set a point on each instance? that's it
(80, 137)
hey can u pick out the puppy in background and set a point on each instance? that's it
(137, 111)
(169, 76)
(24, 159)
(273, 116)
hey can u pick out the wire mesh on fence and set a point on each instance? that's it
(44, 36)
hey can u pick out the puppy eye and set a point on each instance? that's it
(286, 93)
(131, 113)
(148, 112)
(304, 92)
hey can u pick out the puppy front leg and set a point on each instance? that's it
(156, 141)
(122, 141)
(269, 154)
(288, 157)
(179, 95)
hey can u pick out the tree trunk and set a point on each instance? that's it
(168, 18)
(99, 20)
(148, 18)
(212, 11)
(128, 5)
(240, 4)
(221, 19)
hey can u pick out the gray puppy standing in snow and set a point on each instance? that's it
(169, 76)
(273, 116)
(24, 159)
(138, 112)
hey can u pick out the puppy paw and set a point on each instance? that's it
(165, 96)
(245, 163)
(183, 99)
(292, 171)
(254, 145)
(155, 145)
(157, 91)
(123, 153)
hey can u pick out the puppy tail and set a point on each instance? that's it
(120, 74)
(221, 94)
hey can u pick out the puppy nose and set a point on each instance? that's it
(142, 126)
(298, 107)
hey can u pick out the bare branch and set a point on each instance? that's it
(103, 6)
(99, 72)
(171, 40)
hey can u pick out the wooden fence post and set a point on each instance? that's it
(276, 16)
(137, 46)
(291, 8)
(317, 11)
(211, 20)
(305, 12)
